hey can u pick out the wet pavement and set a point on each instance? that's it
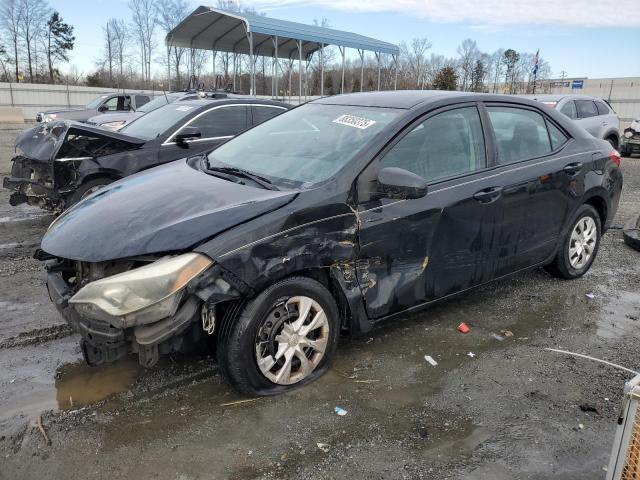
(494, 407)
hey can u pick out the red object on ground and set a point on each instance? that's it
(463, 328)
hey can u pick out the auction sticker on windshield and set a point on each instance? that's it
(353, 121)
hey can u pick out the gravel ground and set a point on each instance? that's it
(512, 411)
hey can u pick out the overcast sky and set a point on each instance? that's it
(591, 38)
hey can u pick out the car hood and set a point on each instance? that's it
(64, 110)
(43, 141)
(114, 117)
(168, 208)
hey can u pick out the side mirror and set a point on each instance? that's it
(187, 133)
(396, 182)
(103, 108)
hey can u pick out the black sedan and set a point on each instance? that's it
(332, 217)
(62, 162)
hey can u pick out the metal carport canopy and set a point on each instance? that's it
(256, 35)
(221, 30)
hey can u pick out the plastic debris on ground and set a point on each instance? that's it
(340, 411)
(506, 333)
(324, 447)
(463, 328)
(431, 361)
(500, 338)
(471, 354)
(590, 295)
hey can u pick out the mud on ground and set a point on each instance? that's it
(512, 411)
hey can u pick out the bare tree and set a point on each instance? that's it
(34, 14)
(10, 18)
(120, 35)
(170, 13)
(469, 53)
(109, 48)
(415, 59)
(144, 21)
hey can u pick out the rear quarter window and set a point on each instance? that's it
(586, 108)
(602, 108)
(569, 109)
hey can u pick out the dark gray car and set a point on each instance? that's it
(108, 103)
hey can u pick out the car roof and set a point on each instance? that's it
(556, 97)
(204, 102)
(408, 99)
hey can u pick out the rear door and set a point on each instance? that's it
(536, 180)
(588, 117)
(416, 250)
(216, 125)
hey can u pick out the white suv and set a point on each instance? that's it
(593, 114)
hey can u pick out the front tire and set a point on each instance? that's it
(579, 246)
(282, 339)
(86, 189)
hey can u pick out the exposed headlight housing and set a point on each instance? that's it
(628, 134)
(49, 117)
(142, 295)
(113, 125)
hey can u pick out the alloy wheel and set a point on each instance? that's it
(292, 340)
(582, 243)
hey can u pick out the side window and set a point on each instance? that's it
(111, 104)
(262, 114)
(222, 122)
(586, 108)
(558, 138)
(447, 144)
(520, 134)
(602, 108)
(141, 100)
(569, 109)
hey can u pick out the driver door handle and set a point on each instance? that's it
(488, 195)
(573, 168)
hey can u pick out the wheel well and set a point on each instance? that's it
(323, 276)
(601, 207)
(614, 138)
(95, 176)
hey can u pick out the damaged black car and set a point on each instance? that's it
(62, 162)
(335, 216)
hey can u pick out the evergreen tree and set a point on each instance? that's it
(60, 41)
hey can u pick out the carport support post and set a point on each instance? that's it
(395, 82)
(342, 49)
(276, 66)
(322, 70)
(378, 57)
(168, 67)
(361, 53)
(299, 72)
(251, 86)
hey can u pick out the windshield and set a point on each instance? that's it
(96, 102)
(153, 124)
(306, 145)
(158, 102)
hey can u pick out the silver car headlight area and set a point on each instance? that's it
(143, 295)
(113, 125)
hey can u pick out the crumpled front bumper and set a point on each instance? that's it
(103, 342)
(31, 181)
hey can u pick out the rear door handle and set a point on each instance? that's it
(488, 195)
(573, 168)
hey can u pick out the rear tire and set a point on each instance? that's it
(87, 189)
(579, 246)
(613, 142)
(267, 348)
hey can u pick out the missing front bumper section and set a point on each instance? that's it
(103, 342)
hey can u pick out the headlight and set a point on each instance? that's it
(49, 117)
(142, 295)
(113, 125)
(628, 134)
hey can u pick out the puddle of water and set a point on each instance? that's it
(620, 317)
(78, 385)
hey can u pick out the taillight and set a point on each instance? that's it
(615, 156)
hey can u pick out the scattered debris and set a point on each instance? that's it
(366, 381)
(585, 407)
(590, 295)
(471, 354)
(500, 338)
(431, 361)
(340, 411)
(507, 333)
(324, 447)
(463, 328)
(620, 367)
(42, 430)
(581, 426)
(238, 402)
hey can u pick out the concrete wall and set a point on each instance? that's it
(33, 98)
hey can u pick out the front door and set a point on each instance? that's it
(216, 126)
(413, 251)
